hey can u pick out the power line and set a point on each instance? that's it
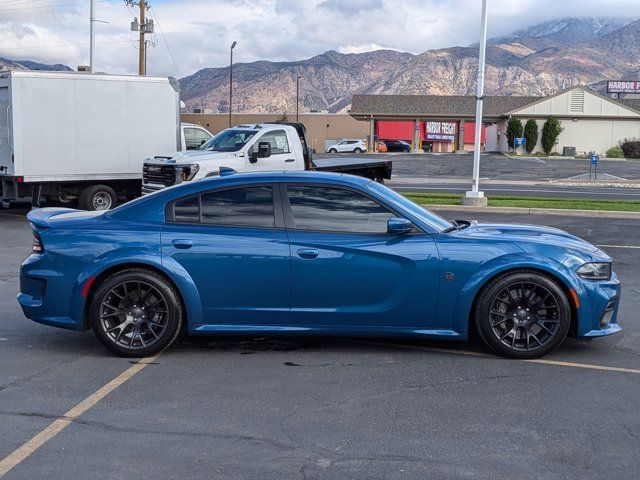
(2, 10)
(61, 46)
(153, 12)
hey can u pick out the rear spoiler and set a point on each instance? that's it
(40, 216)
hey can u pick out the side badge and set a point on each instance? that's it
(449, 277)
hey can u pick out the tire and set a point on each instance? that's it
(121, 319)
(97, 197)
(357, 150)
(510, 318)
(333, 150)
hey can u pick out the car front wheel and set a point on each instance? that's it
(333, 150)
(136, 313)
(522, 314)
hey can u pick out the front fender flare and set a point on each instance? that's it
(505, 263)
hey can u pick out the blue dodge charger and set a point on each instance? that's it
(309, 253)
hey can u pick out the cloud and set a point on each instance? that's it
(199, 32)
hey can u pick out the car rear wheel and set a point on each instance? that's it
(136, 313)
(357, 150)
(97, 197)
(522, 314)
(333, 150)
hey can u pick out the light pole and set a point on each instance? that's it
(233, 45)
(298, 96)
(476, 197)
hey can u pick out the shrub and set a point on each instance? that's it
(514, 130)
(531, 134)
(550, 133)
(615, 152)
(630, 147)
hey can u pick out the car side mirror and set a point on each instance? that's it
(399, 226)
(264, 150)
(202, 142)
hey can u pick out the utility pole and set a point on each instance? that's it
(298, 96)
(233, 45)
(143, 27)
(476, 197)
(92, 34)
(142, 61)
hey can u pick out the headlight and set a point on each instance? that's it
(595, 271)
(189, 172)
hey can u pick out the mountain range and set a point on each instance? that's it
(538, 60)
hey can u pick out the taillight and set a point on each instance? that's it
(37, 244)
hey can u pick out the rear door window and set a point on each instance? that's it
(237, 207)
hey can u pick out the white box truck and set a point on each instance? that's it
(76, 136)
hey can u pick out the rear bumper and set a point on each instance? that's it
(44, 296)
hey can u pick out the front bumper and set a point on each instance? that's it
(598, 310)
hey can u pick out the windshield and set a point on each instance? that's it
(230, 140)
(433, 220)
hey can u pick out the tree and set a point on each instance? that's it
(531, 134)
(514, 130)
(550, 133)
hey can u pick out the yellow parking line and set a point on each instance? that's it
(54, 428)
(543, 361)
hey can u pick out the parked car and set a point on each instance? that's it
(253, 148)
(397, 146)
(269, 253)
(354, 146)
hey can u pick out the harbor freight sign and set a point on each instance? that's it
(440, 131)
(623, 86)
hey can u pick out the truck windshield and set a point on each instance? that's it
(230, 140)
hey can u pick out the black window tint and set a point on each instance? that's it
(187, 210)
(336, 210)
(249, 207)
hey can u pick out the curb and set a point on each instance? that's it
(536, 211)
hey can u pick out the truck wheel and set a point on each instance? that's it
(97, 197)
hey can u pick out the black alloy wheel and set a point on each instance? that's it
(136, 313)
(523, 314)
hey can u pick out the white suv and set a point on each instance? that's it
(355, 146)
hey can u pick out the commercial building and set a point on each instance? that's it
(443, 123)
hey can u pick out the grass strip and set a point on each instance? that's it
(529, 202)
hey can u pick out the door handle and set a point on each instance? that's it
(309, 253)
(290, 160)
(182, 244)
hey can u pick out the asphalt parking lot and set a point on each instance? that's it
(325, 408)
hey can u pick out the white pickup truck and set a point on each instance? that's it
(253, 148)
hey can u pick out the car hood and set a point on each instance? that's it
(528, 233)
(189, 157)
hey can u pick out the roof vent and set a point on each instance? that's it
(576, 101)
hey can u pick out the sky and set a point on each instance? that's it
(195, 34)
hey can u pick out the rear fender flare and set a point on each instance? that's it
(138, 257)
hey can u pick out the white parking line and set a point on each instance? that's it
(557, 363)
(54, 428)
